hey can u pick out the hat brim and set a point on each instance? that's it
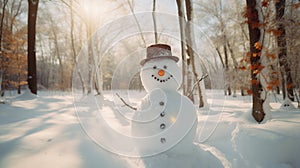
(174, 58)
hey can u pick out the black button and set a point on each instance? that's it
(162, 114)
(162, 140)
(162, 126)
(161, 103)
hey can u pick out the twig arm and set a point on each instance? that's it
(203, 77)
(126, 104)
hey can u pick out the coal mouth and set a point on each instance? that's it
(161, 80)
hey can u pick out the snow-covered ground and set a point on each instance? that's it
(44, 132)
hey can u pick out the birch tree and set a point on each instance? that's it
(226, 30)
(190, 45)
(189, 73)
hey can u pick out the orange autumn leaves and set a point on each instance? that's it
(258, 46)
(250, 55)
(257, 67)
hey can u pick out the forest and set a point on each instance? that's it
(148, 83)
(252, 47)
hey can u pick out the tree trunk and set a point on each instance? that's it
(154, 22)
(235, 65)
(189, 49)
(2, 87)
(190, 43)
(228, 87)
(137, 23)
(2, 23)
(58, 54)
(220, 56)
(182, 23)
(32, 14)
(287, 82)
(19, 83)
(255, 35)
(74, 53)
(94, 77)
(0, 82)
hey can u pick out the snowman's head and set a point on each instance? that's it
(160, 73)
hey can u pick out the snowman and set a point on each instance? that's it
(166, 120)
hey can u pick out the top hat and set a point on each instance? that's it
(158, 51)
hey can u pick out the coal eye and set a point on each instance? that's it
(154, 67)
(165, 66)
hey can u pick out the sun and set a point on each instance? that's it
(92, 10)
(91, 7)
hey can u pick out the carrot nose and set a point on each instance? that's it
(161, 72)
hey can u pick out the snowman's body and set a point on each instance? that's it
(166, 119)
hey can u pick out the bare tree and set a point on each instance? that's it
(131, 7)
(291, 20)
(287, 81)
(58, 53)
(182, 23)
(215, 10)
(189, 72)
(190, 44)
(73, 44)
